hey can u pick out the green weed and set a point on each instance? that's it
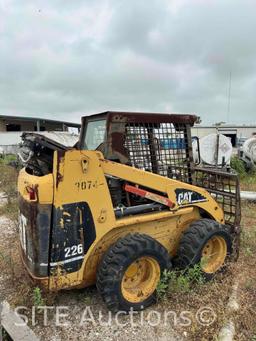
(238, 166)
(37, 297)
(179, 281)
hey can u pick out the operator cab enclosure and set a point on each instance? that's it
(159, 143)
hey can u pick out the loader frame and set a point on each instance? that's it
(79, 184)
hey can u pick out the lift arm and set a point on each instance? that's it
(179, 193)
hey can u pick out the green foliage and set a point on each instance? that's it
(195, 273)
(179, 281)
(238, 165)
(163, 284)
(8, 181)
(5, 159)
(37, 297)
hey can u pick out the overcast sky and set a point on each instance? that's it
(67, 58)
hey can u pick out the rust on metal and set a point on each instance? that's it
(59, 176)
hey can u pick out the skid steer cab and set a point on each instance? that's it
(119, 204)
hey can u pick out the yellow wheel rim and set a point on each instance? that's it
(214, 254)
(140, 279)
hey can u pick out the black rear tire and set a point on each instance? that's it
(117, 260)
(195, 239)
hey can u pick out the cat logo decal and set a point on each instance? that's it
(186, 197)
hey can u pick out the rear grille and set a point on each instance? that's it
(224, 187)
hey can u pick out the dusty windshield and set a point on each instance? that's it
(95, 134)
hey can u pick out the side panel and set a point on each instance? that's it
(72, 235)
(81, 201)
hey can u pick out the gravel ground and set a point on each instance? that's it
(87, 318)
(7, 236)
(3, 199)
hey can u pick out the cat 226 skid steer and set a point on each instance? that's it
(121, 205)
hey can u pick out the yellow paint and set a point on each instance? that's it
(167, 230)
(214, 254)
(140, 279)
(75, 180)
(43, 185)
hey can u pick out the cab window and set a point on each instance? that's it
(95, 134)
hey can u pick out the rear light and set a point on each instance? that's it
(31, 193)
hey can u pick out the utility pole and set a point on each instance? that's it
(229, 96)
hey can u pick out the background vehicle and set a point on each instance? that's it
(122, 205)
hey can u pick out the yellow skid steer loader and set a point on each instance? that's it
(121, 205)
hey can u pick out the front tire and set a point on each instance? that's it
(129, 272)
(206, 242)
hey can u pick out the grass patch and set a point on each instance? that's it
(248, 234)
(6, 159)
(247, 179)
(179, 281)
(238, 165)
(8, 181)
(8, 185)
(248, 182)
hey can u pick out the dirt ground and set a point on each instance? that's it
(197, 314)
